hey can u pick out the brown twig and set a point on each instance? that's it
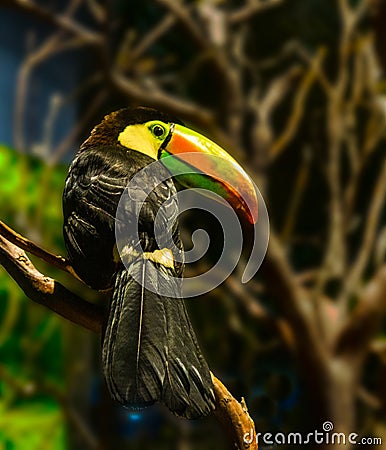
(25, 244)
(296, 48)
(160, 99)
(263, 106)
(366, 76)
(299, 189)
(220, 60)
(153, 36)
(48, 292)
(360, 327)
(257, 311)
(47, 49)
(73, 135)
(298, 107)
(369, 235)
(179, 10)
(293, 300)
(45, 290)
(62, 22)
(54, 44)
(235, 417)
(336, 250)
(250, 10)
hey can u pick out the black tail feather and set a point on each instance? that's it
(150, 352)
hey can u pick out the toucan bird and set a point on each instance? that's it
(150, 352)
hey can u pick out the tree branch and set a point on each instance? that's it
(258, 312)
(247, 12)
(218, 57)
(57, 20)
(300, 186)
(183, 15)
(54, 44)
(46, 291)
(153, 36)
(303, 315)
(234, 417)
(369, 235)
(73, 135)
(360, 328)
(162, 100)
(298, 107)
(25, 244)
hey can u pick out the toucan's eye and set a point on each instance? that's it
(158, 130)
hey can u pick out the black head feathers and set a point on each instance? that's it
(107, 132)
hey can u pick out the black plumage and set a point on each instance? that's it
(150, 352)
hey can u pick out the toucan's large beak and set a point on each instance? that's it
(210, 167)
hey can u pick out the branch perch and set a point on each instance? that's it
(234, 417)
(25, 244)
(46, 291)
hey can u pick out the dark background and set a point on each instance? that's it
(295, 90)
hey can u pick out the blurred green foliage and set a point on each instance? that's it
(32, 426)
(31, 339)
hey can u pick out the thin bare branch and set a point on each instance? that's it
(30, 247)
(252, 8)
(253, 306)
(219, 58)
(349, 16)
(293, 300)
(60, 21)
(46, 291)
(263, 106)
(298, 49)
(369, 399)
(97, 10)
(352, 15)
(71, 138)
(354, 276)
(299, 107)
(365, 78)
(360, 328)
(162, 100)
(274, 94)
(234, 417)
(31, 61)
(180, 11)
(153, 36)
(55, 44)
(296, 197)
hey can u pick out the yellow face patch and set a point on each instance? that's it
(146, 138)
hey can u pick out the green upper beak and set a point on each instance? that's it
(201, 163)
